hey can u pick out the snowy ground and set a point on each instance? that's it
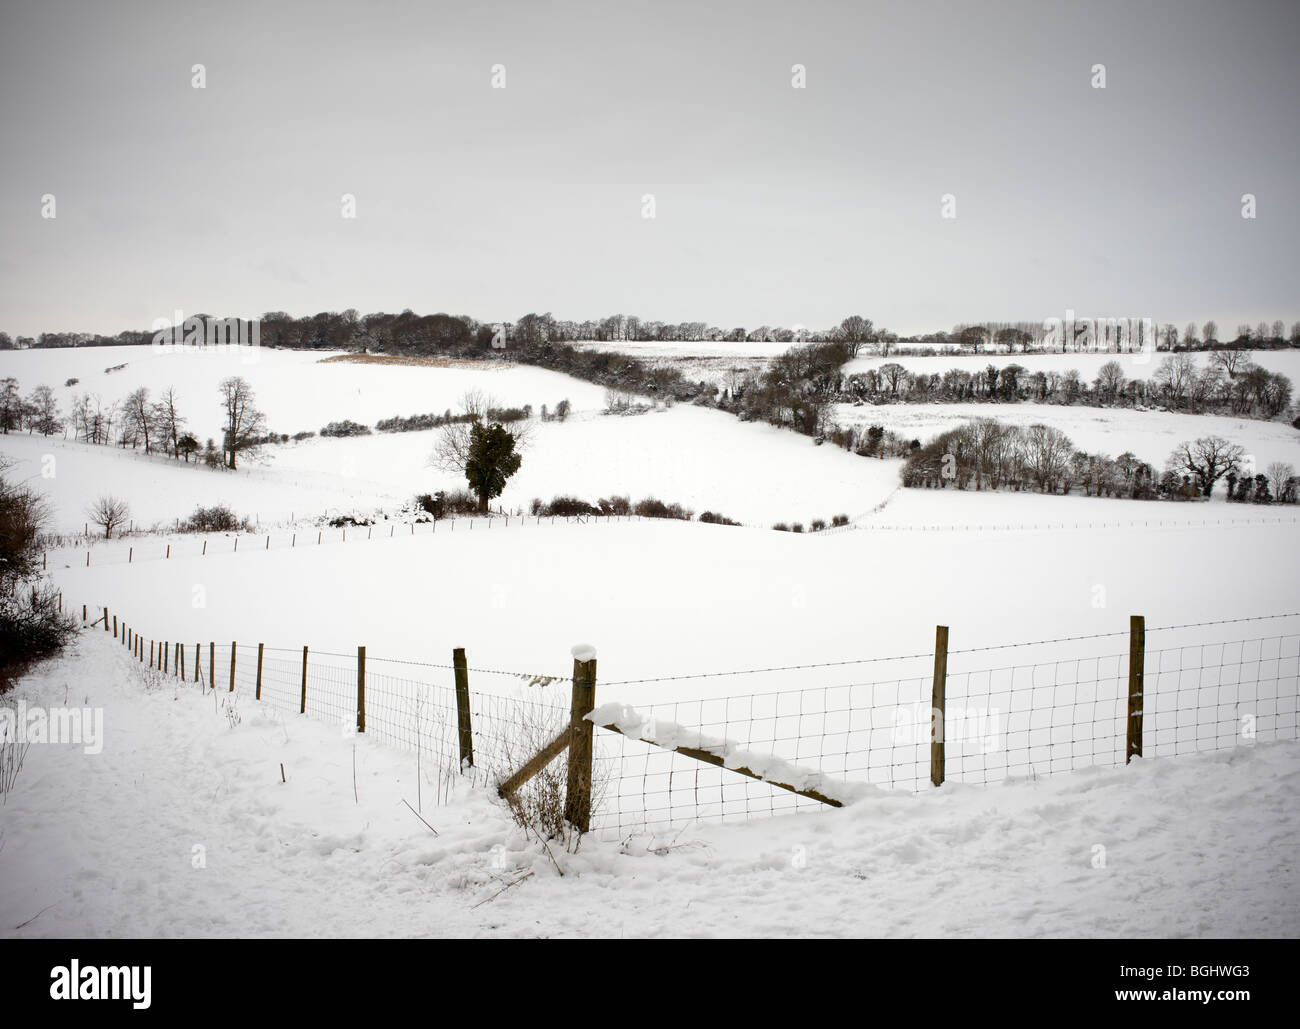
(1151, 435)
(298, 390)
(181, 827)
(682, 600)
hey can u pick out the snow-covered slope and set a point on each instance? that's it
(184, 828)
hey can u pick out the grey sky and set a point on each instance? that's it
(774, 205)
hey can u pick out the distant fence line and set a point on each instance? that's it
(230, 542)
(317, 536)
(788, 738)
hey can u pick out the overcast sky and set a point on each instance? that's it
(773, 204)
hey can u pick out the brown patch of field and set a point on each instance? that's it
(404, 361)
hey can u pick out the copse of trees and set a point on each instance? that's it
(986, 454)
(1229, 383)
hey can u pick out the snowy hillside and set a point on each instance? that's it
(228, 849)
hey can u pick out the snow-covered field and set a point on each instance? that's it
(1151, 435)
(847, 618)
(298, 390)
(183, 828)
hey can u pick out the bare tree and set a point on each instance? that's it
(1206, 460)
(1232, 360)
(169, 420)
(44, 410)
(108, 513)
(1110, 378)
(452, 448)
(245, 424)
(1210, 331)
(138, 418)
(1279, 474)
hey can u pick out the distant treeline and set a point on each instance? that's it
(986, 454)
(1229, 383)
(464, 336)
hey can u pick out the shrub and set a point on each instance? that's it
(797, 527)
(443, 503)
(298, 437)
(344, 428)
(615, 505)
(31, 626)
(565, 507)
(339, 521)
(781, 527)
(217, 518)
(72, 382)
(840, 519)
(713, 518)
(650, 507)
(817, 525)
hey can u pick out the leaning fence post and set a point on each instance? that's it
(462, 707)
(302, 708)
(361, 689)
(259, 671)
(1137, 654)
(577, 799)
(938, 704)
(232, 666)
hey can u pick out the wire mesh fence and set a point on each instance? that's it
(843, 727)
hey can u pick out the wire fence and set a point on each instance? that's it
(130, 548)
(1022, 710)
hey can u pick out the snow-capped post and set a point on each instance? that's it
(232, 666)
(465, 729)
(361, 689)
(260, 647)
(1137, 656)
(577, 799)
(938, 704)
(302, 708)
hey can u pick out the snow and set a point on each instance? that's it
(299, 390)
(715, 637)
(227, 849)
(1151, 435)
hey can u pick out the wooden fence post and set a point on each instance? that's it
(361, 689)
(212, 665)
(232, 666)
(165, 658)
(1137, 654)
(259, 671)
(302, 708)
(462, 707)
(577, 798)
(938, 704)
(151, 653)
(180, 661)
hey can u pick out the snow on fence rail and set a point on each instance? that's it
(791, 738)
